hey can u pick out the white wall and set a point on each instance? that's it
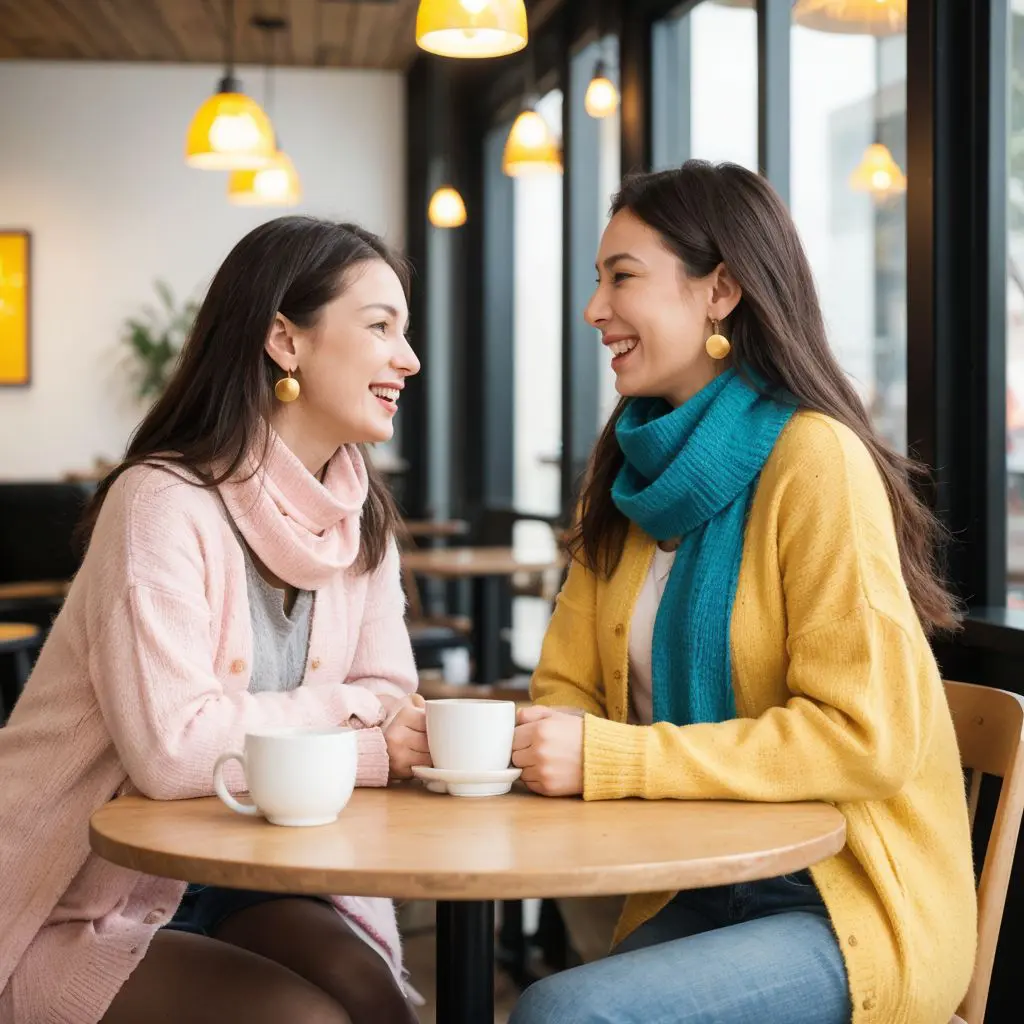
(91, 162)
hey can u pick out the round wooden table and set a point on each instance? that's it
(435, 529)
(34, 590)
(466, 563)
(407, 843)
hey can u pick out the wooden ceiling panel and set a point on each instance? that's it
(362, 49)
(37, 32)
(84, 35)
(391, 40)
(141, 27)
(302, 33)
(333, 33)
(251, 41)
(195, 28)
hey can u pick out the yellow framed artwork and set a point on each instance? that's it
(15, 325)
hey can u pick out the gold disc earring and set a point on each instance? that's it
(717, 346)
(287, 388)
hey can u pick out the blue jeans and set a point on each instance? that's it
(754, 953)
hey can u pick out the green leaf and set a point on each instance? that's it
(153, 339)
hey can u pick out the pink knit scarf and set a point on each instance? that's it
(302, 530)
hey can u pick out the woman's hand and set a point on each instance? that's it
(548, 746)
(406, 736)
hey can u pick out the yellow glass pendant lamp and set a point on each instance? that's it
(229, 130)
(878, 173)
(857, 17)
(276, 184)
(531, 147)
(471, 28)
(602, 98)
(446, 209)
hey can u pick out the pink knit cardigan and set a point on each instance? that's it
(143, 683)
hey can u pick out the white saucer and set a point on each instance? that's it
(461, 783)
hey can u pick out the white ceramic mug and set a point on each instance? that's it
(470, 735)
(455, 665)
(295, 776)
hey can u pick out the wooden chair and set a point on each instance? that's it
(990, 733)
(416, 614)
(432, 632)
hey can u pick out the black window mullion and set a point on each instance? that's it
(956, 278)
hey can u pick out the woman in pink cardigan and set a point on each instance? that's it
(241, 573)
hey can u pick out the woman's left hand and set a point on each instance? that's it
(548, 746)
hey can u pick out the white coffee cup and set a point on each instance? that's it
(455, 665)
(295, 776)
(470, 735)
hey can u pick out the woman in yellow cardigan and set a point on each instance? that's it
(746, 618)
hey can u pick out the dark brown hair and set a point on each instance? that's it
(219, 400)
(713, 214)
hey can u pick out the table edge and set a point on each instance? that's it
(608, 880)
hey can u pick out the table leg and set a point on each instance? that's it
(491, 610)
(465, 962)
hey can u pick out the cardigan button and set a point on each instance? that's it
(868, 1004)
(852, 940)
(237, 666)
(619, 629)
(617, 675)
(315, 663)
(154, 917)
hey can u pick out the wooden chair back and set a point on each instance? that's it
(990, 734)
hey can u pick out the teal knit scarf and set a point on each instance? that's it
(691, 473)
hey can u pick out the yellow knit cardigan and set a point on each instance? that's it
(838, 699)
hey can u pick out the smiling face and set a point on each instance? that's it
(351, 365)
(654, 319)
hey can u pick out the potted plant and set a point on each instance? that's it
(154, 339)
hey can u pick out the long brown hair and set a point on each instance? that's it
(711, 214)
(218, 402)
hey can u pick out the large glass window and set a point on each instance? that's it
(723, 82)
(537, 334)
(848, 191)
(670, 92)
(537, 322)
(594, 177)
(1015, 315)
(704, 101)
(609, 176)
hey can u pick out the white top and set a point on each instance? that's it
(641, 637)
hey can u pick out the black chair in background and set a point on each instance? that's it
(19, 645)
(37, 526)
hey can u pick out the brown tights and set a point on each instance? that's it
(289, 961)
